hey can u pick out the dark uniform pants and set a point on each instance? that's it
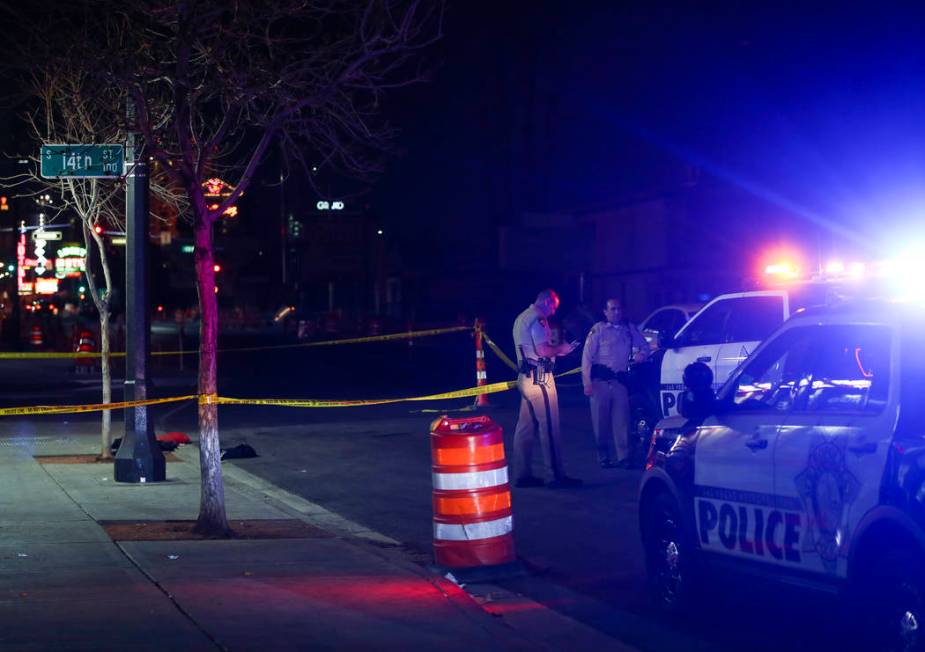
(539, 416)
(610, 416)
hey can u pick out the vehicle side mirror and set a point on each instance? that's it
(698, 400)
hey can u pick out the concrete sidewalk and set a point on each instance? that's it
(65, 585)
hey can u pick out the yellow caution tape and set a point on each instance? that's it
(319, 403)
(322, 403)
(11, 355)
(353, 340)
(211, 399)
(97, 407)
(498, 352)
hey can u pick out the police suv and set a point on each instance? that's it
(808, 468)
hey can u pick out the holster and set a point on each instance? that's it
(538, 371)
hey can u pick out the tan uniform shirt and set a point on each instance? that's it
(611, 345)
(529, 330)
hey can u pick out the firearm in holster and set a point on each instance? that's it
(603, 372)
(538, 370)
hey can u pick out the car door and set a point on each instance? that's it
(751, 320)
(831, 454)
(734, 503)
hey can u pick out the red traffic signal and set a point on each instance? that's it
(98, 229)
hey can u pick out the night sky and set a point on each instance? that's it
(545, 107)
(816, 110)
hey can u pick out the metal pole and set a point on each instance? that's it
(139, 458)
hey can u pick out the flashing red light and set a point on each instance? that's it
(98, 228)
(216, 268)
(783, 269)
(160, 308)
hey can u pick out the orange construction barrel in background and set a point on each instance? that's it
(35, 336)
(472, 498)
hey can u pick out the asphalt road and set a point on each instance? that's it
(372, 465)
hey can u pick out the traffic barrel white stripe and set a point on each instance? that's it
(471, 480)
(473, 531)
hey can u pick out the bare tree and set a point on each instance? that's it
(216, 84)
(66, 106)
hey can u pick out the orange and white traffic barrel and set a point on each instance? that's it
(35, 336)
(86, 343)
(481, 375)
(473, 524)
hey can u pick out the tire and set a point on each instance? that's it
(669, 567)
(891, 603)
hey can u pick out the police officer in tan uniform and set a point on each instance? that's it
(604, 363)
(539, 404)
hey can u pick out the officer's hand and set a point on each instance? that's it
(588, 390)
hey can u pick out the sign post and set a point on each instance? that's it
(139, 458)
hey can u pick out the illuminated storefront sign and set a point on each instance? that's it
(217, 190)
(21, 265)
(46, 285)
(71, 262)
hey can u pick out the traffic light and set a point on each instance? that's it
(216, 268)
(4, 203)
(98, 228)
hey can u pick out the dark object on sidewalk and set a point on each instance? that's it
(239, 452)
(166, 446)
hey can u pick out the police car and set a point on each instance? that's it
(808, 468)
(721, 335)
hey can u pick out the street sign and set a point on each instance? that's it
(46, 235)
(97, 161)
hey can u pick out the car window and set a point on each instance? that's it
(663, 320)
(772, 379)
(850, 370)
(754, 318)
(820, 369)
(708, 327)
(677, 318)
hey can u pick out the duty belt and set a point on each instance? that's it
(537, 368)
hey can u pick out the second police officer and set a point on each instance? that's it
(604, 363)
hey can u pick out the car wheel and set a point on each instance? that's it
(893, 604)
(667, 562)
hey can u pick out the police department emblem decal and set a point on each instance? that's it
(826, 488)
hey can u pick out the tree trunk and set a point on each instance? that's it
(101, 301)
(106, 432)
(212, 520)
